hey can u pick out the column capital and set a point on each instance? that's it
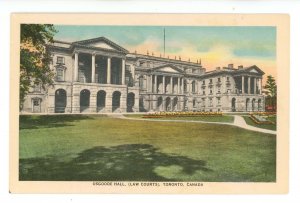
(94, 54)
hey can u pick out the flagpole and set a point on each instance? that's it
(164, 42)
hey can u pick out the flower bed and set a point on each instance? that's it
(260, 117)
(263, 113)
(181, 114)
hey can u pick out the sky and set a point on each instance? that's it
(216, 46)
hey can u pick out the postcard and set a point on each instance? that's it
(149, 103)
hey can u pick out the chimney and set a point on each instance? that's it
(240, 67)
(230, 65)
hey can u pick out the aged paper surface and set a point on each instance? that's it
(165, 180)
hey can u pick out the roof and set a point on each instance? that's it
(88, 43)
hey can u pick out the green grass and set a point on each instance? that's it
(249, 121)
(224, 118)
(102, 148)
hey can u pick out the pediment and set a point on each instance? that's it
(168, 69)
(253, 71)
(101, 43)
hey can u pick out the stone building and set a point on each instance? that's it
(97, 75)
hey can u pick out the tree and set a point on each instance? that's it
(272, 91)
(35, 57)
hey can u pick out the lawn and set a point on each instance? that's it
(86, 148)
(224, 118)
(249, 121)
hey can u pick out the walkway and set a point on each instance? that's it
(238, 122)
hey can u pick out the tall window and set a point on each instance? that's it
(141, 82)
(203, 82)
(59, 74)
(219, 79)
(210, 91)
(210, 81)
(227, 79)
(219, 100)
(193, 86)
(60, 60)
(184, 86)
(210, 102)
(194, 103)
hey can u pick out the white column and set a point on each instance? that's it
(108, 70)
(260, 86)
(151, 84)
(243, 85)
(254, 85)
(182, 86)
(123, 71)
(171, 78)
(76, 67)
(178, 85)
(164, 88)
(133, 72)
(93, 67)
(249, 84)
(155, 84)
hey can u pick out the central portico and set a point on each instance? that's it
(165, 88)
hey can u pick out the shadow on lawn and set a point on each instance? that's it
(131, 162)
(49, 121)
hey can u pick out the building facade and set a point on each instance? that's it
(99, 76)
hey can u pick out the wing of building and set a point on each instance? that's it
(97, 75)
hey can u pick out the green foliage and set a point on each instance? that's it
(271, 86)
(35, 57)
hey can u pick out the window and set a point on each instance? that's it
(219, 100)
(219, 90)
(227, 79)
(194, 103)
(210, 81)
(59, 74)
(141, 82)
(219, 79)
(184, 86)
(203, 92)
(193, 86)
(60, 60)
(36, 102)
(210, 91)
(203, 82)
(210, 102)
